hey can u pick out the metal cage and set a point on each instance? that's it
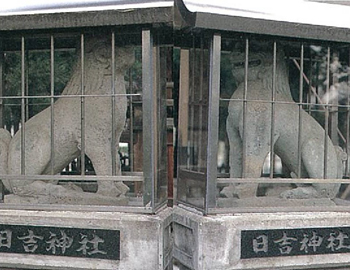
(232, 134)
(56, 38)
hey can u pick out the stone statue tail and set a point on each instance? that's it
(5, 138)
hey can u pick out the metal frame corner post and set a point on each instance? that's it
(213, 121)
(1, 83)
(149, 123)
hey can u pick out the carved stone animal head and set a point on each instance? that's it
(260, 67)
(99, 49)
(256, 64)
(97, 65)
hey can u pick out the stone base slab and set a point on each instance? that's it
(214, 241)
(145, 240)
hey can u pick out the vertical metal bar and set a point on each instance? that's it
(52, 122)
(200, 104)
(82, 104)
(131, 108)
(333, 113)
(245, 109)
(213, 121)
(27, 85)
(165, 167)
(158, 117)
(300, 129)
(184, 103)
(326, 124)
(1, 84)
(347, 126)
(183, 125)
(23, 105)
(149, 106)
(192, 106)
(309, 106)
(113, 105)
(325, 171)
(273, 100)
(2, 92)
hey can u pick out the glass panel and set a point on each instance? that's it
(133, 135)
(72, 120)
(193, 122)
(161, 187)
(289, 101)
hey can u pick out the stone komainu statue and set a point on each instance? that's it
(67, 125)
(286, 128)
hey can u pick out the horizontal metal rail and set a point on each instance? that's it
(68, 96)
(279, 209)
(78, 208)
(266, 180)
(119, 178)
(187, 171)
(281, 102)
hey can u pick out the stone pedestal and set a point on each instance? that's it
(85, 240)
(262, 241)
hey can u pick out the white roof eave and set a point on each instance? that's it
(22, 7)
(292, 11)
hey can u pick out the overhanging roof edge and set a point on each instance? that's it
(254, 24)
(32, 7)
(268, 27)
(160, 15)
(296, 11)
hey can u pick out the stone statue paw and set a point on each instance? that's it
(118, 189)
(122, 187)
(71, 186)
(300, 193)
(228, 192)
(242, 190)
(38, 188)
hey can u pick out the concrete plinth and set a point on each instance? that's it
(262, 241)
(79, 240)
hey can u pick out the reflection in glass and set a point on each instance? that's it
(193, 122)
(61, 101)
(284, 107)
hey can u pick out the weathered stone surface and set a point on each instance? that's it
(286, 128)
(273, 202)
(214, 241)
(67, 126)
(39, 192)
(143, 244)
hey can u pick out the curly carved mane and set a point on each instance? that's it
(260, 68)
(282, 76)
(97, 68)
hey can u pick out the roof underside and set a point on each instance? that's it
(293, 11)
(314, 19)
(293, 18)
(9, 8)
(53, 14)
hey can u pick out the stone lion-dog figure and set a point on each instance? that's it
(67, 125)
(285, 137)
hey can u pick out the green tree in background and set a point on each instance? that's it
(37, 78)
